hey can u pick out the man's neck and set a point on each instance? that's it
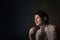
(42, 26)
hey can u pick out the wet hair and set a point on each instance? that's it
(43, 15)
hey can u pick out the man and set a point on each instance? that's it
(42, 30)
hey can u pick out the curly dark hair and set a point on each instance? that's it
(43, 15)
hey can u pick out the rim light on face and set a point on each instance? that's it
(37, 20)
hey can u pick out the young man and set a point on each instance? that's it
(42, 30)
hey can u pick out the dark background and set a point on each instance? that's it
(16, 17)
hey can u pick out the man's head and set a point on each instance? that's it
(40, 17)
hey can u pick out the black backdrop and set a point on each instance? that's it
(16, 16)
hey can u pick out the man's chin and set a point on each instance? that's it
(37, 24)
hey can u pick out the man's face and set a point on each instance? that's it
(37, 20)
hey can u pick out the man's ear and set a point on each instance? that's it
(44, 19)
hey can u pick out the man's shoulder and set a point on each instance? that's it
(32, 30)
(51, 27)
